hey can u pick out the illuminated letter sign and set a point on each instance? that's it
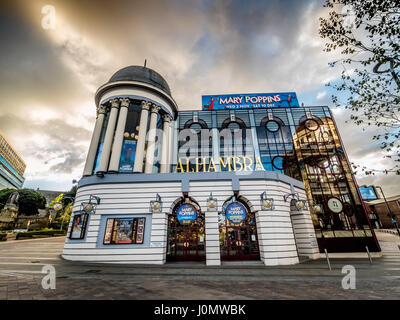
(186, 213)
(250, 101)
(235, 212)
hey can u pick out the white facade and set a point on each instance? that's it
(284, 234)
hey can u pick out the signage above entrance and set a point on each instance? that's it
(186, 213)
(250, 101)
(235, 212)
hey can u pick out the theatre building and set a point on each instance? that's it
(248, 177)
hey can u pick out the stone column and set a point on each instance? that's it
(164, 162)
(151, 140)
(108, 139)
(119, 136)
(139, 154)
(213, 255)
(158, 237)
(94, 143)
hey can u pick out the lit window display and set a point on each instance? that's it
(78, 228)
(124, 231)
(129, 144)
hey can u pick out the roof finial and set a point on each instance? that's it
(145, 61)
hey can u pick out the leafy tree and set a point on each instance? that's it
(28, 203)
(368, 34)
(58, 199)
(4, 195)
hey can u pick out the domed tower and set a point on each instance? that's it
(134, 112)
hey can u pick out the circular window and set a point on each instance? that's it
(233, 126)
(196, 127)
(322, 162)
(335, 205)
(279, 162)
(272, 126)
(311, 125)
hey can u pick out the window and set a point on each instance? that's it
(272, 126)
(124, 231)
(78, 228)
(131, 133)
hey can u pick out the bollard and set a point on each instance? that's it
(369, 255)
(327, 259)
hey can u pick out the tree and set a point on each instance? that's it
(28, 203)
(368, 34)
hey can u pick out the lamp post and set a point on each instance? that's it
(58, 206)
(300, 204)
(156, 205)
(390, 214)
(266, 203)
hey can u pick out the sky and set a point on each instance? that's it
(49, 77)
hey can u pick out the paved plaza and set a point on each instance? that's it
(21, 264)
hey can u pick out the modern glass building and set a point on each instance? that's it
(248, 177)
(12, 167)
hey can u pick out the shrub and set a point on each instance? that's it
(28, 203)
(3, 236)
(44, 233)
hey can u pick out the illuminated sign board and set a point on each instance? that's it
(239, 163)
(368, 193)
(186, 213)
(250, 101)
(236, 212)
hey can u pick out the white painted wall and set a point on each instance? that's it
(276, 235)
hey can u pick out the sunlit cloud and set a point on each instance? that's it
(49, 77)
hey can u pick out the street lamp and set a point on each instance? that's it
(300, 204)
(315, 207)
(156, 205)
(266, 203)
(390, 214)
(58, 206)
(90, 206)
(212, 202)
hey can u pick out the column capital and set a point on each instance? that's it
(114, 103)
(166, 117)
(125, 102)
(145, 105)
(155, 108)
(101, 109)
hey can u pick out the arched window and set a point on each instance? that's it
(186, 231)
(233, 143)
(203, 147)
(238, 230)
(276, 147)
(131, 133)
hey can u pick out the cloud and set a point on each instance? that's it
(49, 77)
(321, 95)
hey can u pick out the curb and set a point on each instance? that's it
(387, 231)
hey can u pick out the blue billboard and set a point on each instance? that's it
(250, 101)
(368, 193)
(127, 159)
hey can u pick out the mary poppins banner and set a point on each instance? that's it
(250, 100)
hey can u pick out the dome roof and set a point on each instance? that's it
(141, 74)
